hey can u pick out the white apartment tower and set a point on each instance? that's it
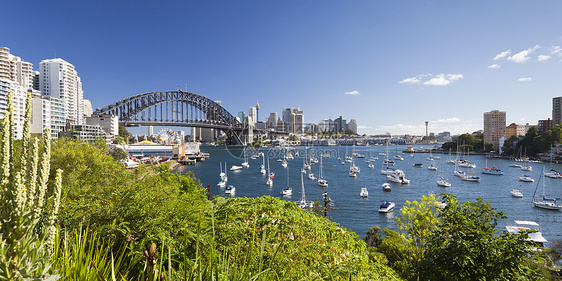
(59, 79)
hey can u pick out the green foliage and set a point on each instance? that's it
(298, 244)
(488, 146)
(465, 247)
(27, 220)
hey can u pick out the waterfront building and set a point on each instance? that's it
(327, 125)
(280, 126)
(47, 112)
(527, 127)
(341, 124)
(557, 110)
(88, 110)
(59, 79)
(444, 137)
(514, 130)
(352, 126)
(494, 127)
(87, 133)
(545, 125)
(109, 123)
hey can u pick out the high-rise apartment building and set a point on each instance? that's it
(59, 79)
(48, 112)
(272, 120)
(557, 110)
(494, 127)
(253, 116)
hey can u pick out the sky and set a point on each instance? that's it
(391, 65)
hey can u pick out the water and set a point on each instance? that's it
(359, 214)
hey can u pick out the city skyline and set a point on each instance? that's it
(389, 65)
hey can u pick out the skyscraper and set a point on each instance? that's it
(494, 127)
(59, 79)
(272, 120)
(294, 120)
(557, 110)
(352, 125)
(253, 114)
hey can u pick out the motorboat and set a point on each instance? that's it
(287, 191)
(364, 192)
(534, 237)
(398, 177)
(230, 190)
(516, 193)
(443, 182)
(311, 176)
(235, 168)
(472, 178)
(417, 165)
(130, 163)
(386, 207)
(467, 164)
(514, 165)
(399, 157)
(525, 178)
(352, 173)
(371, 165)
(386, 186)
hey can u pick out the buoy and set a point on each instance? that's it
(334, 165)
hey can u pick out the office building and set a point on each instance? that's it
(59, 79)
(294, 120)
(352, 125)
(252, 116)
(272, 120)
(88, 110)
(494, 127)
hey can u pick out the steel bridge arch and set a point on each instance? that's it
(127, 110)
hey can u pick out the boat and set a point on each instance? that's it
(235, 168)
(311, 176)
(303, 204)
(443, 182)
(399, 157)
(416, 164)
(386, 186)
(245, 163)
(262, 166)
(287, 190)
(527, 167)
(321, 181)
(398, 177)
(514, 165)
(516, 193)
(470, 177)
(535, 237)
(387, 163)
(386, 207)
(364, 192)
(269, 181)
(352, 173)
(371, 165)
(284, 164)
(432, 167)
(230, 189)
(525, 178)
(130, 163)
(223, 176)
(544, 201)
(221, 183)
(553, 174)
(492, 171)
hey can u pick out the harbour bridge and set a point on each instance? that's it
(180, 109)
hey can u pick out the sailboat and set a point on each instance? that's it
(262, 166)
(352, 172)
(303, 204)
(269, 181)
(245, 163)
(387, 163)
(223, 176)
(544, 201)
(305, 166)
(441, 181)
(321, 181)
(416, 164)
(492, 171)
(287, 190)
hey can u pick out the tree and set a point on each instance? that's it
(488, 146)
(465, 246)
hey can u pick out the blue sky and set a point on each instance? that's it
(391, 65)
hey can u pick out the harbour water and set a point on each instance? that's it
(359, 214)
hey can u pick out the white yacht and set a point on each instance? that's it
(398, 177)
(235, 168)
(443, 182)
(516, 193)
(364, 192)
(534, 237)
(386, 186)
(386, 207)
(321, 181)
(230, 190)
(525, 178)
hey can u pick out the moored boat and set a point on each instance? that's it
(386, 207)
(516, 193)
(364, 192)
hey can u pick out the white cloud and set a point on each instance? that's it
(363, 127)
(544, 57)
(352, 93)
(433, 80)
(448, 120)
(556, 50)
(502, 55)
(413, 80)
(524, 79)
(494, 66)
(523, 56)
